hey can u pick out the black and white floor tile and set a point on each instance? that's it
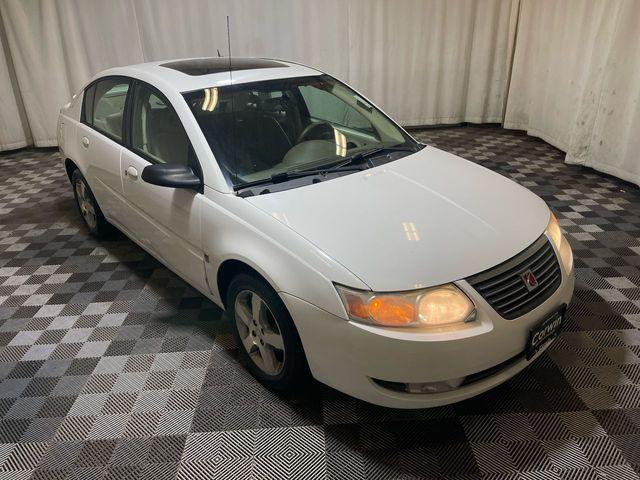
(113, 367)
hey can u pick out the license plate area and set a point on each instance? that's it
(543, 332)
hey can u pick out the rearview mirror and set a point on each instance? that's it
(175, 176)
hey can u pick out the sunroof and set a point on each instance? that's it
(207, 66)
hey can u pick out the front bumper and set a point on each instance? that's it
(347, 355)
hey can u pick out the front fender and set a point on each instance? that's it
(232, 228)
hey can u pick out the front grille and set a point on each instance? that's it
(503, 288)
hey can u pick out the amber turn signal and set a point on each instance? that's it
(391, 311)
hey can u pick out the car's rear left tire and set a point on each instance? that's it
(88, 207)
(268, 342)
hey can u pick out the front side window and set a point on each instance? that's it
(263, 129)
(156, 129)
(104, 106)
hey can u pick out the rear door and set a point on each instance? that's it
(165, 220)
(99, 137)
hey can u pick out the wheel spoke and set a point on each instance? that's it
(243, 313)
(248, 343)
(256, 307)
(268, 358)
(274, 340)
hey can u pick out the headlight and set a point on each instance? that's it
(431, 307)
(561, 243)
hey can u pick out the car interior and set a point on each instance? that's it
(157, 130)
(108, 109)
(256, 133)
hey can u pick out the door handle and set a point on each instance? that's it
(85, 142)
(131, 172)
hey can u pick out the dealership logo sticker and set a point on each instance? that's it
(529, 279)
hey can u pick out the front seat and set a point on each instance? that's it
(165, 136)
(265, 141)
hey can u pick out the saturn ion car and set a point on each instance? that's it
(339, 246)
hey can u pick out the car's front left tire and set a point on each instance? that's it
(88, 206)
(268, 342)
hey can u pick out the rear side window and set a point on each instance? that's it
(104, 106)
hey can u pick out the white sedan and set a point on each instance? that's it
(339, 246)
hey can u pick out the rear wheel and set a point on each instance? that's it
(267, 340)
(88, 207)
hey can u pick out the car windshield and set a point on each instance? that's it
(263, 129)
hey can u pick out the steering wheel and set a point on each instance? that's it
(316, 131)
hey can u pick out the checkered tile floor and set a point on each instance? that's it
(112, 367)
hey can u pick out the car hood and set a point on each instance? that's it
(423, 220)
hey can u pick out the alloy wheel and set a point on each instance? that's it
(259, 332)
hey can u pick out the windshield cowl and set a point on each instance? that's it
(311, 176)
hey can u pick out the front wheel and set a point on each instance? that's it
(267, 339)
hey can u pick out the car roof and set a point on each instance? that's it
(189, 74)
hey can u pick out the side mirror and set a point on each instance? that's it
(175, 176)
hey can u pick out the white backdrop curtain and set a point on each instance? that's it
(423, 61)
(13, 131)
(576, 81)
(568, 72)
(433, 62)
(57, 45)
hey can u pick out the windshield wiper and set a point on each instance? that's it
(361, 157)
(353, 163)
(292, 174)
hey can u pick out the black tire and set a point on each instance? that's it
(99, 228)
(294, 373)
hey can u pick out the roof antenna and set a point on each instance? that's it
(229, 46)
(233, 111)
(218, 52)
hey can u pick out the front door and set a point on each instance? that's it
(165, 220)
